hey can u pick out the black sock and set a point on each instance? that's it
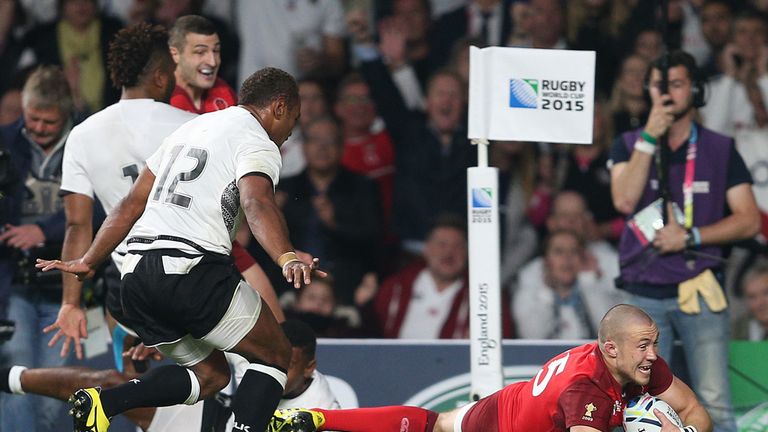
(4, 386)
(256, 399)
(161, 386)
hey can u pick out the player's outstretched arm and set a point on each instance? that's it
(257, 198)
(71, 322)
(682, 399)
(112, 232)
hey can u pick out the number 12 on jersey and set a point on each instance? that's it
(171, 196)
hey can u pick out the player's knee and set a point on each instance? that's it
(212, 380)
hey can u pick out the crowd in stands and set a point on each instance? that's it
(374, 174)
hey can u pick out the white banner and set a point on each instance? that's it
(484, 290)
(525, 94)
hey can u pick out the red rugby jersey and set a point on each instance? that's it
(573, 389)
(216, 98)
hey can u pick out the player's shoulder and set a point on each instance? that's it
(163, 112)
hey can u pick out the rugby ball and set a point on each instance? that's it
(639, 416)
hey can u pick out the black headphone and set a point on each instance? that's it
(674, 59)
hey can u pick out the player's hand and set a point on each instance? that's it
(78, 267)
(661, 116)
(671, 238)
(141, 352)
(666, 423)
(72, 325)
(300, 273)
(22, 237)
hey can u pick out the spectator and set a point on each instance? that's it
(548, 24)
(314, 104)
(196, 49)
(332, 212)
(10, 106)
(305, 37)
(81, 38)
(558, 302)
(598, 265)
(430, 300)
(431, 153)
(753, 325)
(716, 22)
(586, 172)
(367, 151)
(628, 104)
(316, 305)
(34, 229)
(647, 44)
(737, 100)
(657, 269)
(517, 181)
(597, 25)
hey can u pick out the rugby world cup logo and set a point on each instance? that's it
(523, 93)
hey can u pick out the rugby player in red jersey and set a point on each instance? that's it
(581, 390)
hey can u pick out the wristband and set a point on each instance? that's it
(648, 138)
(689, 429)
(645, 147)
(696, 236)
(286, 258)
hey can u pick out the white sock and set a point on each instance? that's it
(14, 380)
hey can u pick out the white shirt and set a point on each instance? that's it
(428, 308)
(195, 194)
(728, 110)
(272, 31)
(317, 395)
(105, 153)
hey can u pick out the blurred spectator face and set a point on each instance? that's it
(749, 37)
(415, 18)
(169, 10)
(79, 13)
(510, 148)
(716, 24)
(756, 296)
(546, 22)
(562, 259)
(569, 212)
(632, 76)
(445, 102)
(446, 253)
(317, 298)
(198, 62)
(680, 88)
(322, 146)
(10, 106)
(648, 45)
(44, 125)
(313, 104)
(355, 107)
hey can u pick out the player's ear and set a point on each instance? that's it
(175, 54)
(279, 108)
(610, 349)
(310, 368)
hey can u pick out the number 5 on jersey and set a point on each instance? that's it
(163, 185)
(555, 367)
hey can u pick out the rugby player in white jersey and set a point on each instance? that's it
(306, 386)
(180, 292)
(103, 157)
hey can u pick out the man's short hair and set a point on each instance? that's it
(301, 335)
(189, 24)
(268, 84)
(47, 87)
(678, 58)
(759, 268)
(449, 220)
(134, 51)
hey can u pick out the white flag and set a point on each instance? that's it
(525, 94)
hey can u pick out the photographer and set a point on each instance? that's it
(33, 227)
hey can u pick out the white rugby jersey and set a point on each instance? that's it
(105, 154)
(195, 196)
